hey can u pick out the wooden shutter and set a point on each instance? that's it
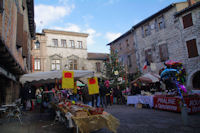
(163, 52)
(148, 55)
(163, 21)
(187, 20)
(192, 48)
(20, 25)
(25, 45)
(142, 31)
(156, 24)
(1, 6)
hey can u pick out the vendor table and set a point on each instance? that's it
(90, 123)
(140, 99)
(173, 103)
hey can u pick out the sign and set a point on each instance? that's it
(173, 103)
(68, 80)
(93, 87)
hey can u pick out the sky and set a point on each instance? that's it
(103, 20)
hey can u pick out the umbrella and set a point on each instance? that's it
(148, 78)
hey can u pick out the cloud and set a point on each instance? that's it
(69, 27)
(75, 28)
(112, 36)
(45, 15)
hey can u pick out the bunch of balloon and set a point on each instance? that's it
(175, 72)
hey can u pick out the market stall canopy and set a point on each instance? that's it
(52, 75)
(148, 78)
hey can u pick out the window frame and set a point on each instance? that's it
(36, 64)
(194, 53)
(80, 44)
(53, 61)
(55, 40)
(98, 67)
(64, 45)
(72, 43)
(187, 20)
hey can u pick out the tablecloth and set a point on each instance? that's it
(140, 99)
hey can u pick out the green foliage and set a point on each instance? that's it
(112, 65)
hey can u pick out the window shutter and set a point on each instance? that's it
(25, 45)
(192, 48)
(156, 24)
(1, 6)
(163, 21)
(142, 31)
(149, 29)
(163, 52)
(187, 20)
(20, 26)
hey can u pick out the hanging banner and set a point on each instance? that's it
(68, 80)
(93, 87)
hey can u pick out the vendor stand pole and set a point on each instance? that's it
(184, 110)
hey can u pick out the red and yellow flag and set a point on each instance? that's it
(68, 80)
(93, 87)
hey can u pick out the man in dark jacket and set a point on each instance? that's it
(102, 92)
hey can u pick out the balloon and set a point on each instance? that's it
(182, 87)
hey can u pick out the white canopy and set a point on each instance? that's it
(52, 75)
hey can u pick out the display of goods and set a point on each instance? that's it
(96, 111)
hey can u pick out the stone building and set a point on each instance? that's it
(58, 50)
(125, 48)
(187, 22)
(170, 34)
(17, 29)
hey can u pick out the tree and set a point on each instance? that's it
(114, 69)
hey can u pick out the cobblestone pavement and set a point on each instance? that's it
(132, 120)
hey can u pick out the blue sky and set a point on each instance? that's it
(104, 20)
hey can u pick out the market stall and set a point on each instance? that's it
(85, 117)
(50, 76)
(142, 88)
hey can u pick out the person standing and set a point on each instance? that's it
(108, 90)
(102, 93)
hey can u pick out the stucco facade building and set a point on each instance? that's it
(17, 29)
(58, 50)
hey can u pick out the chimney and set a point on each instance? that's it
(191, 2)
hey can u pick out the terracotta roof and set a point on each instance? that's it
(97, 56)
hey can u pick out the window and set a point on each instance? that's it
(187, 20)
(72, 45)
(146, 30)
(80, 45)
(55, 64)
(120, 46)
(37, 45)
(129, 61)
(63, 43)
(98, 67)
(148, 55)
(37, 64)
(1, 6)
(192, 48)
(160, 23)
(127, 43)
(163, 52)
(73, 65)
(55, 42)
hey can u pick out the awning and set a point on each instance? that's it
(148, 78)
(52, 75)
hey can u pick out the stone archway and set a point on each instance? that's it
(193, 78)
(196, 80)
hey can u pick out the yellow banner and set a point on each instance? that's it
(93, 86)
(68, 80)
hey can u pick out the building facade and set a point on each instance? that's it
(170, 34)
(59, 50)
(125, 48)
(17, 29)
(188, 24)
